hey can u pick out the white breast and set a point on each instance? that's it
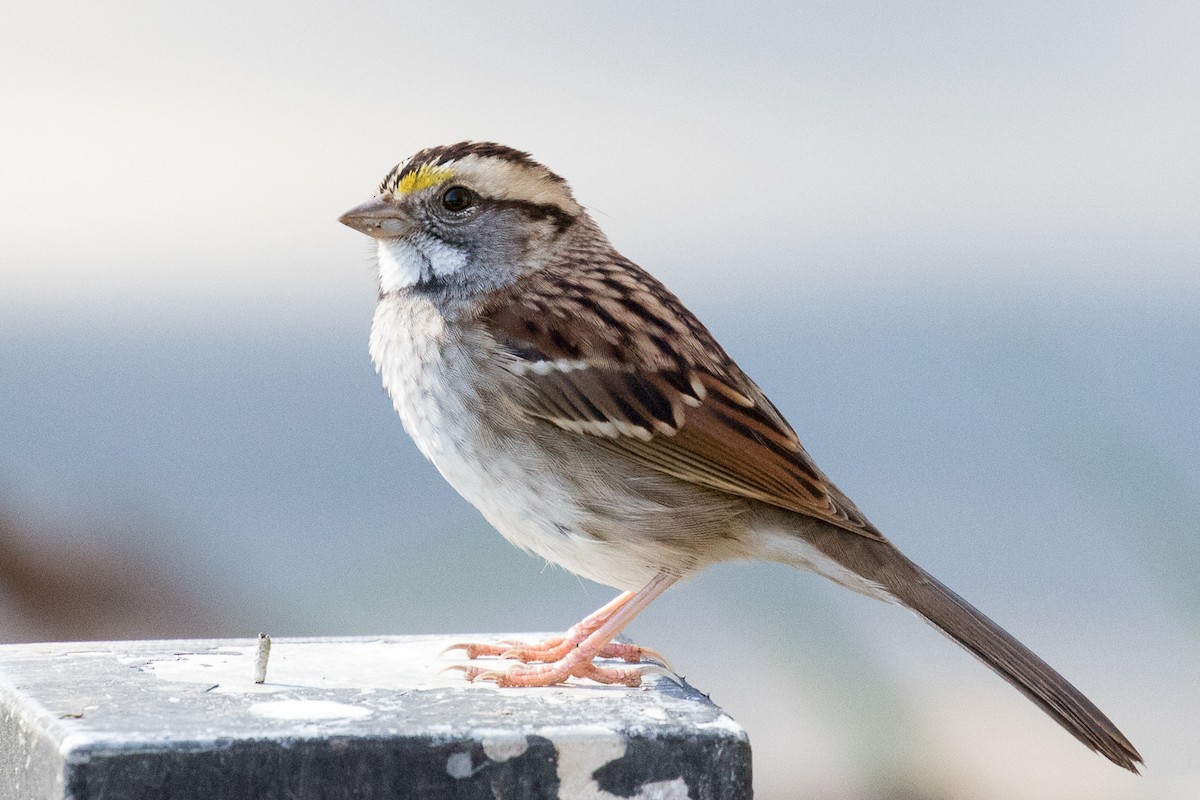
(425, 370)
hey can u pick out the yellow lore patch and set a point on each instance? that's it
(423, 178)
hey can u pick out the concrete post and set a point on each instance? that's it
(361, 718)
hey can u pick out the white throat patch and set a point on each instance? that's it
(406, 262)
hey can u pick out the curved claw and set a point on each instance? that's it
(472, 673)
(480, 674)
(475, 649)
(633, 653)
(663, 670)
(658, 658)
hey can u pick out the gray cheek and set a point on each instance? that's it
(497, 248)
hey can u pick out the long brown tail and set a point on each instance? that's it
(881, 563)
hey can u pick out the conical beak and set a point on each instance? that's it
(378, 218)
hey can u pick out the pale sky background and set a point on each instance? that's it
(957, 243)
(164, 156)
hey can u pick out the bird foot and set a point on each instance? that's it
(555, 649)
(558, 672)
(572, 655)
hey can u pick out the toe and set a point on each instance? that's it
(476, 649)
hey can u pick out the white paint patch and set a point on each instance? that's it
(503, 746)
(459, 766)
(676, 789)
(228, 667)
(724, 723)
(582, 751)
(299, 710)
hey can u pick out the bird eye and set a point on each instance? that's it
(457, 198)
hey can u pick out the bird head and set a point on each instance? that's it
(474, 215)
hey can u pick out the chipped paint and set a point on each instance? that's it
(500, 746)
(581, 751)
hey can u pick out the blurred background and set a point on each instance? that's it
(957, 244)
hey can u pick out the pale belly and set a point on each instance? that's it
(423, 367)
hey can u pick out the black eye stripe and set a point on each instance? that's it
(457, 198)
(561, 219)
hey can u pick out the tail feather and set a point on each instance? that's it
(884, 565)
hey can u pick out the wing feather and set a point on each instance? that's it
(692, 414)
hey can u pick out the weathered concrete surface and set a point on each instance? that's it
(341, 718)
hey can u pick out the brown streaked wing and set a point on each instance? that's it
(715, 430)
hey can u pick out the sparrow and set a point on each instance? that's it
(595, 422)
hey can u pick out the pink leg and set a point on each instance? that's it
(577, 661)
(558, 646)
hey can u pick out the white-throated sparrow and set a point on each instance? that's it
(594, 421)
